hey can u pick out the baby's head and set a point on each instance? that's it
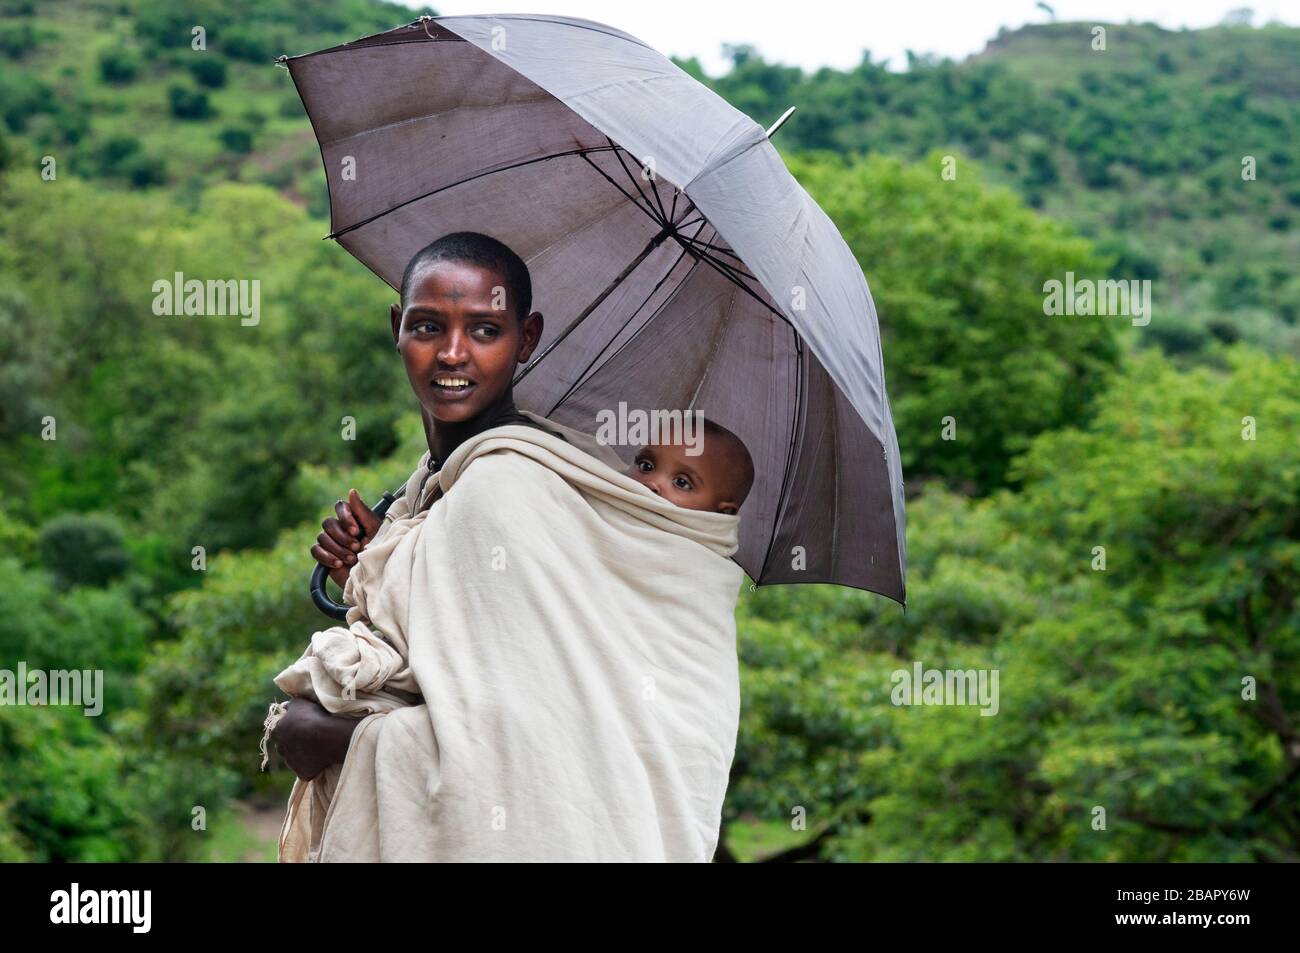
(717, 479)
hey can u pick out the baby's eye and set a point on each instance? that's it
(681, 482)
(644, 465)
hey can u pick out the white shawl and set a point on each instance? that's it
(573, 637)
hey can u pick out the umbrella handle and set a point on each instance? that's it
(319, 596)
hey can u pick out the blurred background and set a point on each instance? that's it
(1163, 688)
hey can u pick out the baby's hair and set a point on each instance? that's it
(476, 248)
(741, 461)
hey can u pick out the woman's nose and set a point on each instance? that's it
(453, 348)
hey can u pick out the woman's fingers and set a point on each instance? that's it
(335, 531)
(343, 536)
(361, 513)
(349, 521)
(329, 554)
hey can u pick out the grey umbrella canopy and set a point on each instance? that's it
(677, 262)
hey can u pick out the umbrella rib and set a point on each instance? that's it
(790, 452)
(719, 248)
(618, 153)
(730, 267)
(727, 251)
(651, 245)
(451, 185)
(626, 194)
(579, 379)
(708, 259)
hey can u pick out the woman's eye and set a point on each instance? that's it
(424, 327)
(488, 332)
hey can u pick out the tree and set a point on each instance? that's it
(1161, 685)
(957, 271)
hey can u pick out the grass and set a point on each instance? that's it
(243, 832)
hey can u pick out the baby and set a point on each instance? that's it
(717, 479)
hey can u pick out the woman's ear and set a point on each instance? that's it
(532, 333)
(395, 316)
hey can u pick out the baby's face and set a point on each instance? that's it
(698, 482)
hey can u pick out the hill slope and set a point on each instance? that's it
(1140, 146)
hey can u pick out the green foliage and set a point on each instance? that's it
(209, 71)
(1120, 688)
(188, 103)
(120, 157)
(118, 65)
(83, 549)
(957, 272)
(1147, 139)
(200, 386)
(17, 40)
(237, 139)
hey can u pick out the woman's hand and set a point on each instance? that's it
(310, 739)
(344, 536)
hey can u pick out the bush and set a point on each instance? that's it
(236, 139)
(291, 108)
(143, 171)
(188, 103)
(209, 70)
(23, 96)
(115, 150)
(958, 271)
(118, 66)
(249, 45)
(83, 549)
(16, 41)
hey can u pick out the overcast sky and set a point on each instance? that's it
(813, 33)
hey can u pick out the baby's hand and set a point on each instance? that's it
(345, 535)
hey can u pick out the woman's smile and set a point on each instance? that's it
(451, 387)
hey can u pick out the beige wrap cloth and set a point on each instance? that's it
(573, 637)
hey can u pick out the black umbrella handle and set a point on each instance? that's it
(319, 596)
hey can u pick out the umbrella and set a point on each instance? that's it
(678, 263)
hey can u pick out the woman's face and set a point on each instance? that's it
(460, 339)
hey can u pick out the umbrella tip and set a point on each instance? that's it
(777, 125)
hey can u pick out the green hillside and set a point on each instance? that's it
(118, 93)
(1139, 146)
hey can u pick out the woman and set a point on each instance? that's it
(450, 328)
(570, 630)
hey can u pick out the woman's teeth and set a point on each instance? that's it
(451, 383)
